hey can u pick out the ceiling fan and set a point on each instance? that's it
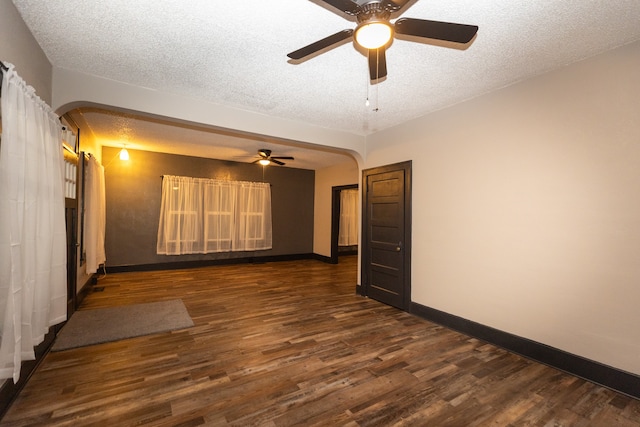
(374, 31)
(266, 158)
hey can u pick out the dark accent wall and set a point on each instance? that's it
(133, 192)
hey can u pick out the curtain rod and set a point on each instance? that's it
(223, 180)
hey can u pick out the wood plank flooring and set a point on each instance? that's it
(290, 343)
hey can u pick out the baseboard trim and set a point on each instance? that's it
(10, 391)
(348, 252)
(86, 288)
(323, 258)
(607, 376)
(181, 265)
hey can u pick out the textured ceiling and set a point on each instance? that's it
(233, 53)
(114, 129)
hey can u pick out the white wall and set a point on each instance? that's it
(346, 173)
(526, 207)
(19, 47)
(72, 89)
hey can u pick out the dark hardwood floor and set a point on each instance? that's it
(290, 343)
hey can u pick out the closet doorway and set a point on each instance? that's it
(345, 215)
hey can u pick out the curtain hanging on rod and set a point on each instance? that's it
(199, 216)
(348, 226)
(33, 270)
(95, 220)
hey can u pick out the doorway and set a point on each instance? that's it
(336, 208)
(386, 234)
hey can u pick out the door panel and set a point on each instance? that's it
(386, 227)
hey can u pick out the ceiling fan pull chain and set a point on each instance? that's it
(377, 75)
(367, 103)
(376, 108)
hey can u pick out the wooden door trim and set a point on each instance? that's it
(335, 218)
(406, 167)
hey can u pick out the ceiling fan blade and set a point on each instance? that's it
(347, 6)
(459, 33)
(282, 158)
(321, 44)
(377, 63)
(277, 162)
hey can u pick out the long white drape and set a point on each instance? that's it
(348, 230)
(95, 219)
(200, 215)
(32, 225)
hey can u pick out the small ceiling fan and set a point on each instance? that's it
(266, 158)
(375, 32)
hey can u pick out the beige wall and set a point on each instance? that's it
(343, 174)
(526, 207)
(19, 47)
(72, 89)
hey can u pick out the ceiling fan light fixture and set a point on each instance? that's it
(264, 162)
(373, 34)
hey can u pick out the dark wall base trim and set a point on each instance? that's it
(206, 263)
(86, 288)
(607, 376)
(9, 391)
(323, 258)
(333, 260)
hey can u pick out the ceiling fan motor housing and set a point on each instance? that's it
(373, 30)
(374, 10)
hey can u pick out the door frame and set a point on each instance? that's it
(71, 224)
(364, 242)
(335, 218)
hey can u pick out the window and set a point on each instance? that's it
(204, 216)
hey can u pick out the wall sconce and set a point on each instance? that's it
(124, 154)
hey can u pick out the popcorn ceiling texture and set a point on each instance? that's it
(234, 53)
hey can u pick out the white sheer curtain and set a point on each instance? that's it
(95, 220)
(32, 225)
(200, 215)
(348, 230)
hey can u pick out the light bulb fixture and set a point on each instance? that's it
(124, 154)
(264, 162)
(373, 34)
